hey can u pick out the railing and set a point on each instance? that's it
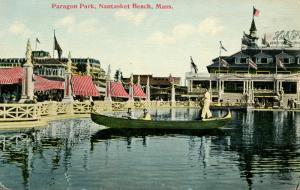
(24, 112)
(263, 91)
(81, 107)
(42, 108)
(117, 106)
(18, 112)
(208, 76)
(61, 108)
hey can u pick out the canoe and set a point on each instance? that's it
(119, 122)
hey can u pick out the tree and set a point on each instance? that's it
(118, 75)
(80, 68)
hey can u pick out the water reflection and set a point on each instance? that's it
(256, 150)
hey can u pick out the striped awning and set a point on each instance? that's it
(11, 75)
(83, 86)
(138, 92)
(117, 90)
(43, 84)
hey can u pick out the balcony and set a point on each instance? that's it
(238, 76)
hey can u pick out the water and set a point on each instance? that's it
(256, 150)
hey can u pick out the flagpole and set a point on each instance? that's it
(35, 44)
(220, 58)
(53, 44)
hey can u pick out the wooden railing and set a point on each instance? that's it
(18, 112)
(24, 112)
(82, 107)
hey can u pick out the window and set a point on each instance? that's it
(286, 60)
(264, 60)
(243, 60)
(292, 60)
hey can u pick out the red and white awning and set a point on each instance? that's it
(83, 86)
(11, 75)
(117, 90)
(138, 92)
(42, 84)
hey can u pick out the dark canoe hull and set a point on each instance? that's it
(114, 122)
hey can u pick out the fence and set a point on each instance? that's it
(24, 112)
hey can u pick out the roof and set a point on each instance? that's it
(253, 27)
(11, 75)
(253, 52)
(42, 84)
(137, 91)
(117, 89)
(83, 86)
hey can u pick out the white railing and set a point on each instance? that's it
(18, 112)
(82, 107)
(61, 108)
(43, 108)
(24, 112)
(208, 76)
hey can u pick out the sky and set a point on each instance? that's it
(141, 41)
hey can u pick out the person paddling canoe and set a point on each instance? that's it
(205, 111)
(146, 115)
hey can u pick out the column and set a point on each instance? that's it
(277, 87)
(68, 95)
(27, 83)
(298, 90)
(173, 100)
(219, 90)
(88, 68)
(148, 90)
(210, 90)
(252, 91)
(244, 87)
(223, 86)
(131, 88)
(107, 86)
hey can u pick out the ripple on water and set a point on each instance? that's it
(262, 152)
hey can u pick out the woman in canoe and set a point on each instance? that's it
(146, 115)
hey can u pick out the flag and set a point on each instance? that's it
(194, 66)
(255, 12)
(280, 63)
(287, 42)
(222, 47)
(265, 41)
(224, 63)
(252, 64)
(37, 40)
(57, 47)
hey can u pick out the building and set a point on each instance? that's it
(53, 68)
(160, 87)
(263, 76)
